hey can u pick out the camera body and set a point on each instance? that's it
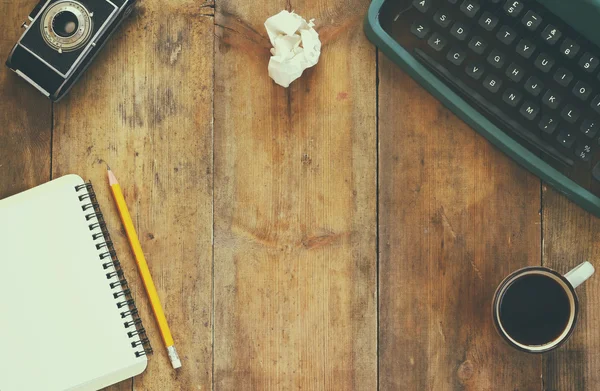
(61, 40)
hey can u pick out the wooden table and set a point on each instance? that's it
(344, 234)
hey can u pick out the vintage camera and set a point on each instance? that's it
(61, 40)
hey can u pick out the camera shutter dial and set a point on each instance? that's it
(66, 26)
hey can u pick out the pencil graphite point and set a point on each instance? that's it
(112, 179)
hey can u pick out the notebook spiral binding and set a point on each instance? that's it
(114, 273)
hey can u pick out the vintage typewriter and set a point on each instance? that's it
(524, 74)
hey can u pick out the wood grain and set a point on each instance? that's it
(145, 108)
(295, 223)
(571, 236)
(295, 204)
(25, 114)
(456, 216)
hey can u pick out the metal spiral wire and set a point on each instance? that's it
(114, 273)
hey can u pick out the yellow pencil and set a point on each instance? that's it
(143, 268)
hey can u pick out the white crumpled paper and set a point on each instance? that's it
(296, 46)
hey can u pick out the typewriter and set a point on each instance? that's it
(524, 74)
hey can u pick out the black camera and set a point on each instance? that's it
(61, 40)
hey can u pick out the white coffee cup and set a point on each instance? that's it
(535, 309)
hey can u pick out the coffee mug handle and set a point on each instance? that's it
(580, 273)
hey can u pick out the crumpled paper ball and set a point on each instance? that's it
(296, 46)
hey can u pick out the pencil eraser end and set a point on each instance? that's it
(175, 361)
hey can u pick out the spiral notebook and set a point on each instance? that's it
(67, 318)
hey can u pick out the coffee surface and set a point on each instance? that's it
(535, 310)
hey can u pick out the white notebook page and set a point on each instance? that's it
(60, 328)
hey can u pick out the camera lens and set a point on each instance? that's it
(65, 24)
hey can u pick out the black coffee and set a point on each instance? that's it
(535, 309)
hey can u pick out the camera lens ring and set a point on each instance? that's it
(66, 26)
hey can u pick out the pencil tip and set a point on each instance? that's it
(112, 179)
(108, 167)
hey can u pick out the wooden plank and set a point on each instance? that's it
(456, 216)
(571, 237)
(295, 203)
(25, 114)
(145, 107)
